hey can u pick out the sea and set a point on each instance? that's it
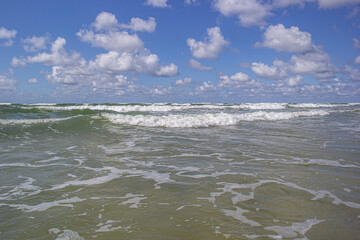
(180, 171)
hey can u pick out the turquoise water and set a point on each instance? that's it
(180, 171)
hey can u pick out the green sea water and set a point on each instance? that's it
(180, 171)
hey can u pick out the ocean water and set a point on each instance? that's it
(180, 171)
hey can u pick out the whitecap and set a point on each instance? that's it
(205, 120)
(31, 121)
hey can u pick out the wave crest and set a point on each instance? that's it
(205, 120)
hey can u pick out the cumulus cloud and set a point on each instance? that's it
(287, 39)
(140, 25)
(211, 47)
(105, 21)
(167, 71)
(124, 53)
(357, 60)
(15, 62)
(114, 40)
(196, 65)
(336, 3)
(206, 86)
(183, 82)
(286, 3)
(356, 43)
(57, 56)
(237, 80)
(8, 35)
(249, 12)
(34, 43)
(353, 75)
(190, 2)
(32, 80)
(157, 3)
(275, 72)
(294, 81)
(7, 83)
(312, 63)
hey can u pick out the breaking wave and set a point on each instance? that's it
(205, 120)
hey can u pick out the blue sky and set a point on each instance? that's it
(180, 51)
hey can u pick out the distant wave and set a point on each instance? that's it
(164, 107)
(205, 120)
(31, 121)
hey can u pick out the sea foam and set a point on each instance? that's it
(31, 121)
(205, 120)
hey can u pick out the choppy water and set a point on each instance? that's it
(180, 171)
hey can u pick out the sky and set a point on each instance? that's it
(92, 51)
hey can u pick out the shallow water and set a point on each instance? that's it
(180, 171)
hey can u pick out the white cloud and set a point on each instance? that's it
(288, 40)
(237, 80)
(8, 35)
(356, 43)
(294, 81)
(167, 71)
(196, 65)
(15, 62)
(34, 43)
(105, 21)
(311, 63)
(7, 83)
(113, 41)
(116, 62)
(140, 25)
(183, 82)
(357, 60)
(249, 12)
(57, 56)
(157, 3)
(206, 86)
(32, 80)
(286, 3)
(336, 3)
(190, 1)
(353, 74)
(275, 72)
(125, 53)
(211, 47)
(113, 61)
(353, 13)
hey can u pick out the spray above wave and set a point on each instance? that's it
(31, 121)
(205, 120)
(159, 107)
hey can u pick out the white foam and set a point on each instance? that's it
(193, 205)
(239, 197)
(295, 228)
(160, 107)
(69, 235)
(31, 121)
(321, 162)
(239, 215)
(107, 227)
(42, 104)
(316, 105)
(205, 120)
(47, 205)
(114, 173)
(134, 200)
